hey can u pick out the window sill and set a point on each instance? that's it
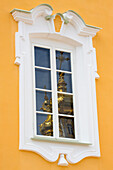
(62, 140)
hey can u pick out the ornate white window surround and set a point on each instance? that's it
(37, 27)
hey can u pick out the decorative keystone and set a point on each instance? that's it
(62, 161)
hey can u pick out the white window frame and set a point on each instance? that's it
(38, 24)
(54, 92)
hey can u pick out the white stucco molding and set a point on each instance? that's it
(46, 10)
(82, 28)
(37, 27)
(29, 16)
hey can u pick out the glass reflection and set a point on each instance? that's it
(42, 57)
(63, 61)
(42, 78)
(44, 124)
(43, 101)
(65, 104)
(66, 127)
(64, 82)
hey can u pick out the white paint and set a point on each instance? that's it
(62, 161)
(77, 38)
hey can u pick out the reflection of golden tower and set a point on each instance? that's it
(65, 104)
(61, 83)
(46, 126)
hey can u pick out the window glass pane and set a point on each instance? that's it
(43, 101)
(42, 57)
(44, 124)
(65, 104)
(64, 82)
(63, 61)
(66, 127)
(43, 78)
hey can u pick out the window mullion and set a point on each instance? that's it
(55, 104)
(53, 90)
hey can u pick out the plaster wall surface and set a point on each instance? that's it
(96, 12)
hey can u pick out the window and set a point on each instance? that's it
(57, 97)
(55, 113)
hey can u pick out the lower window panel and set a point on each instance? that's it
(66, 127)
(44, 124)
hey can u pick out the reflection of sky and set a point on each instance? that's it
(68, 80)
(40, 118)
(66, 65)
(43, 77)
(40, 99)
(42, 57)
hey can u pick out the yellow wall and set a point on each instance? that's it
(94, 12)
